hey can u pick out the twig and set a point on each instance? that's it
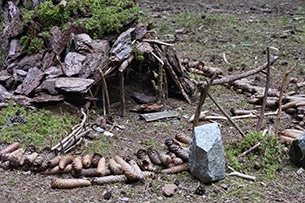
(203, 116)
(160, 84)
(226, 114)
(225, 58)
(261, 117)
(122, 94)
(249, 150)
(241, 175)
(154, 41)
(278, 117)
(105, 89)
(125, 63)
(160, 60)
(75, 131)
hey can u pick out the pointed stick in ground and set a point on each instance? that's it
(105, 90)
(261, 117)
(278, 117)
(203, 94)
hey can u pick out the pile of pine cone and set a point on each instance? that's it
(50, 162)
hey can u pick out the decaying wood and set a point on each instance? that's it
(77, 164)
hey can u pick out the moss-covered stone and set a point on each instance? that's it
(99, 17)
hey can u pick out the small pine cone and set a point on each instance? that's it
(115, 168)
(176, 169)
(65, 160)
(109, 179)
(95, 158)
(69, 183)
(183, 138)
(54, 162)
(154, 156)
(77, 164)
(87, 161)
(9, 148)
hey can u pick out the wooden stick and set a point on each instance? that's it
(278, 117)
(154, 41)
(203, 94)
(249, 150)
(125, 63)
(241, 175)
(122, 94)
(160, 81)
(227, 115)
(105, 90)
(261, 117)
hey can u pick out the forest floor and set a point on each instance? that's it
(207, 31)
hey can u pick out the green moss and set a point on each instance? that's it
(41, 128)
(267, 157)
(98, 18)
(31, 45)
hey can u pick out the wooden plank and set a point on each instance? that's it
(159, 115)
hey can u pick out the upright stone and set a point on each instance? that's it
(206, 158)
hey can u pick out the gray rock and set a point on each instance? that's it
(297, 151)
(206, 157)
(76, 85)
(73, 63)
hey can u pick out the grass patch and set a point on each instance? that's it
(33, 127)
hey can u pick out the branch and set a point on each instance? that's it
(232, 78)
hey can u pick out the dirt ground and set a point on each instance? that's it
(20, 186)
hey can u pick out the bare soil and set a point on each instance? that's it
(20, 186)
